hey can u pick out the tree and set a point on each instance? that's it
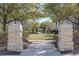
(35, 26)
(10, 12)
(43, 26)
(60, 12)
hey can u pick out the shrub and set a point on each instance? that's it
(55, 36)
(3, 35)
(25, 33)
(3, 38)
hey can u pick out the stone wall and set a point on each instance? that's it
(15, 42)
(65, 42)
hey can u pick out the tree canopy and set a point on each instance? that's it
(62, 11)
(11, 11)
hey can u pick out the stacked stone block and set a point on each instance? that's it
(15, 42)
(65, 42)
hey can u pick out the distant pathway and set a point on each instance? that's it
(41, 48)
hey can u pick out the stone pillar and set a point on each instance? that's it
(15, 42)
(65, 42)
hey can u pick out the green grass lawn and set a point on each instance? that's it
(40, 36)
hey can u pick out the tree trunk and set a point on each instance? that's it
(4, 18)
(76, 38)
(4, 25)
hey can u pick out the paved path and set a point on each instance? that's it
(41, 48)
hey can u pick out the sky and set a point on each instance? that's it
(43, 20)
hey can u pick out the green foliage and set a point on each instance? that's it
(3, 38)
(52, 36)
(55, 36)
(26, 34)
(19, 11)
(54, 10)
(61, 11)
(3, 34)
(46, 26)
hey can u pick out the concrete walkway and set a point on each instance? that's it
(41, 48)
